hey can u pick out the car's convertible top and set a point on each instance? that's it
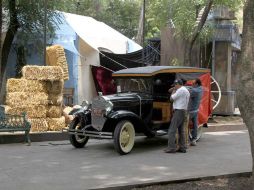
(153, 70)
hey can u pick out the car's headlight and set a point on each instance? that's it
(108, 107)
(85, 104)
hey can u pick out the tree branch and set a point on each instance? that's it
(199, 27)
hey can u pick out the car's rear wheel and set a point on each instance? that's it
(78, 141)
(124, 137)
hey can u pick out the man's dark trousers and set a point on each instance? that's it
(177, 122)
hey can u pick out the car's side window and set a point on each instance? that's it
(162, 82)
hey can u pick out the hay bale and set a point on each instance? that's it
(38, 125)
(54, 111)
(24, 85)
(56, 124)
(15, 85)
(55, 99)
(55, 87)
(6, 109)
(36, 86)
(16, 99)
(42, 72)
(68, 118)
(67, 109)
(32, 111)
(56, 57)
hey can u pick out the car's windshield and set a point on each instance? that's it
(134, 85)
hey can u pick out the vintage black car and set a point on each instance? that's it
(141, 105)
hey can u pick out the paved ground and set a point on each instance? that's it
(57, 165)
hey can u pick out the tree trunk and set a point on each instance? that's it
(12, 30)
(1, 26)
(21, 60)
(245, 91)
(139, 37)
(198, 30)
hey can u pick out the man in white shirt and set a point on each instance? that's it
(180, 98)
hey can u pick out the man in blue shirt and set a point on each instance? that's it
(196, 93)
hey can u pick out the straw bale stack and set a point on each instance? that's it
(48, 73)
(38, 125)
(40, 94)
(24, 85)
(56, 57)
(56, 124)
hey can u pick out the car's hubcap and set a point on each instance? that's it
(127, 137)
(80, 138)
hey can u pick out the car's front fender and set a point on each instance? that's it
(122, 114)
(114, 117)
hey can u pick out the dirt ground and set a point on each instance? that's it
(226, 119)
(225, 183)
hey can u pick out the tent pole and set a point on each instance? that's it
(45, 31)
(143, 35)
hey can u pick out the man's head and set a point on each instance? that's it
(184, 81)
(178, 83)
(197, 82)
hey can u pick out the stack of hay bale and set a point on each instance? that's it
(28, 96)
(39, 93)
(56, 57)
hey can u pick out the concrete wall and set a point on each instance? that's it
(222, 73)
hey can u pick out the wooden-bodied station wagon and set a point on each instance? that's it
(140, 106)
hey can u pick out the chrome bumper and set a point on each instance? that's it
(94, 134)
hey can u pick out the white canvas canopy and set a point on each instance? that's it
(93, 35)
(98, 34)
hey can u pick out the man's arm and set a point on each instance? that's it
(175, 94)
(171, 90)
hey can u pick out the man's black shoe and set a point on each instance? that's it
(169, 151)
(181, 150)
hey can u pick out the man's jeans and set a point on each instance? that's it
(194, 119)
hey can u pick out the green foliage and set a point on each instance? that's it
(183, 13)
(157, 15)
(122, 15)
(30, 15)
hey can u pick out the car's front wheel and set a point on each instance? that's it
(78, 141)
(124, 137)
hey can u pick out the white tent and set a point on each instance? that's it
(93, 35)
(98, 34)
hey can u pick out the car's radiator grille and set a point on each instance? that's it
(99, 103)
(98, 110)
